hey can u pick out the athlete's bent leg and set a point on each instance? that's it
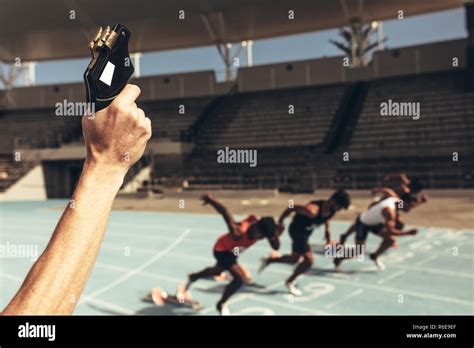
(289, 259)
(235, 284)
(360, 245)
(387, 242)
(205, 273)
(343, 237)
(302, 267)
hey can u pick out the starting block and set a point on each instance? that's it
(160, 297)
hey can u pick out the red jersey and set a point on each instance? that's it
(227, 241)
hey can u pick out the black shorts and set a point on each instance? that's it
(300, 241)
(225, 259)
(363, 230)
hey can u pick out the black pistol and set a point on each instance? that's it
(110, 67)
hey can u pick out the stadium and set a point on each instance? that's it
(256, 137)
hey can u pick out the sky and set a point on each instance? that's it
(437, 26)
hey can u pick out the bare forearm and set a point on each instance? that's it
(395, 231)
(385, 190)
(327, 235)
(59, 276)
(400, 233)
(284, 215)
(217, 206)
(298, 209)
(115, 139)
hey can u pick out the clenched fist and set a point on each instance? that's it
(116, 136)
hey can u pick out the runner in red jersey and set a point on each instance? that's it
(230, 245)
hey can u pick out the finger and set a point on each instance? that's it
(141, 115)
(129, 94)
(148, 124)
(148, 129)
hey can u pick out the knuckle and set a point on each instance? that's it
(142, 126)
(134, 121)
(149, 133)
(116, 107)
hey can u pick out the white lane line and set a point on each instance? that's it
(113, 224)
(158, 236)
(434, 271)
(127, 236)
(345, 276)
(237, 298)
(433, 257)
(142, 273)
(104, 304)
(157, 231)
(241, 297)
(345, 298)
(138, 269)
(113, 246)
(412, 293)
(292, 306)
(422, 295)
(391, 276)
(153, 275)
(426, 260)
(256, 297)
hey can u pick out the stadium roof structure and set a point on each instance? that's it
(36, 30)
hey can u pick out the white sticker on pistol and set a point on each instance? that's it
(107, 74)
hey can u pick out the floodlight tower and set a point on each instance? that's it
(357, 40)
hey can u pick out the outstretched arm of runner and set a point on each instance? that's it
(274, 243)
(327, 232)
(221, 209)
(423, 198)
(391, 225)
(115, 139)
(388, 192)
(401, 176)
(309, 210)
(344, 236)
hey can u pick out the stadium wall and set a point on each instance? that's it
(60, 169)
(61, 177)
(30, 187)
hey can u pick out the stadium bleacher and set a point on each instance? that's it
(250, 120)
(38, 128)
(424, 147)
(444, 124)
(12, 170)
(277, 118)
(171, 119)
